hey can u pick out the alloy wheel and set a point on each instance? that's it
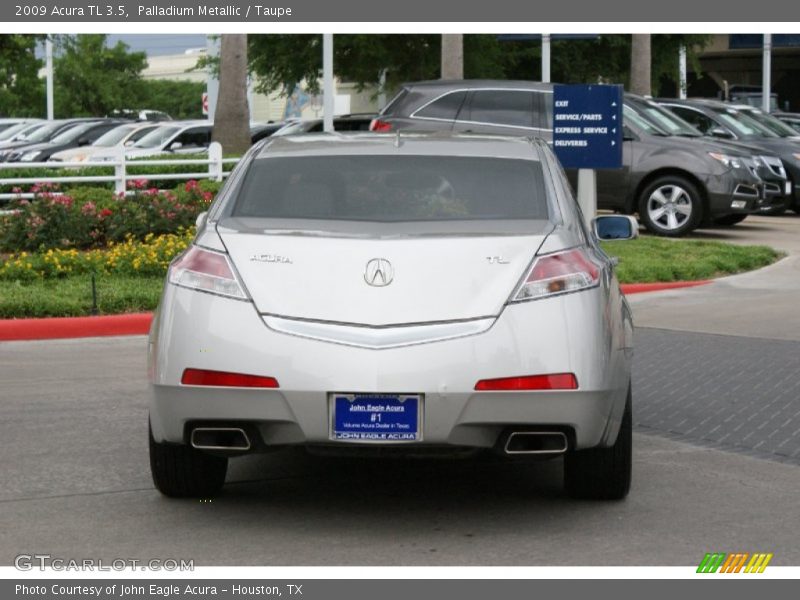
(669, 206)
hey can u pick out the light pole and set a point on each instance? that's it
(327, 82)
(48, 54)
(766, 74)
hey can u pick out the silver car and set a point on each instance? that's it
(414, 292)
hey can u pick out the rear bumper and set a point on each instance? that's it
(458, 419)
(565, 334)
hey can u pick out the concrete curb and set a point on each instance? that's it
(74, 327)
(639, 288)
(139, 323)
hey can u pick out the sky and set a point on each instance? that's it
(159, 44)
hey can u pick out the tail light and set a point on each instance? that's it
(225, 379)
(208, 271)
(558, 273)
(554, 381)
(379, 126)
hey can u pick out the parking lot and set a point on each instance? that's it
(717, 451)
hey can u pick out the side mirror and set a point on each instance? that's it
(129, 143)
(84, 141)
(615, 227)
(175, 146)
(201, 220)
(719, 132)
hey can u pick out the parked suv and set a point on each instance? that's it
(674, 184)
(768, 168)
(721, 120)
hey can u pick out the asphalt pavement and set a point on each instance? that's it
(716, 460)
(761, 304)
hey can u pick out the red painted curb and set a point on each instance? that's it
(74, 327)
(139, 323)
(638, 288)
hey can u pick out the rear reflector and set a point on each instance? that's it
(556, 381)
(224, 379)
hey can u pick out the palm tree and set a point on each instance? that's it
(640, 64)
(232, 116)
(452, 56)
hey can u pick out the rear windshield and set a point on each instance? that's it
(394, 102)
(389, 189)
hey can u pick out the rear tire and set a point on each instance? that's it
(671, 206)
(729, 220)
(603, 473)
(182, 472)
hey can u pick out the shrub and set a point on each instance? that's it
(94, 217)
(149, 257)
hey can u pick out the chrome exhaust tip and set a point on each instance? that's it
(220, 438)
(536, 442)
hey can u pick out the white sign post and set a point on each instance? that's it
(587, 194)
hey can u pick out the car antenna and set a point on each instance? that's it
(397, 141)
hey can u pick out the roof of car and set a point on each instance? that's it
(744, 107)
(480, 83)
(439, 143)
(709, 102)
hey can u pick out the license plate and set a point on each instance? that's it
(788, 188)
(376, 417)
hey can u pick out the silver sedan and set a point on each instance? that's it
(413, 292)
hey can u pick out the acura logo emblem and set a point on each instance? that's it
(379, 272)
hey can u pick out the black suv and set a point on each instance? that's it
(674, 184)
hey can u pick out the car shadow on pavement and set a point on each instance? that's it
(294, 478)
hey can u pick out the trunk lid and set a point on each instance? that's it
(430, 278)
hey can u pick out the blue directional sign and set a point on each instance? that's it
(587, 126)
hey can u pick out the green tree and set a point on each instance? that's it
(22, 93)
(280, 61)
(92, 79)
(180, 99)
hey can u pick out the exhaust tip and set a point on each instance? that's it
(536, 442)
(220, 438)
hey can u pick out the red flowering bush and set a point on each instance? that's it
(93, 217)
